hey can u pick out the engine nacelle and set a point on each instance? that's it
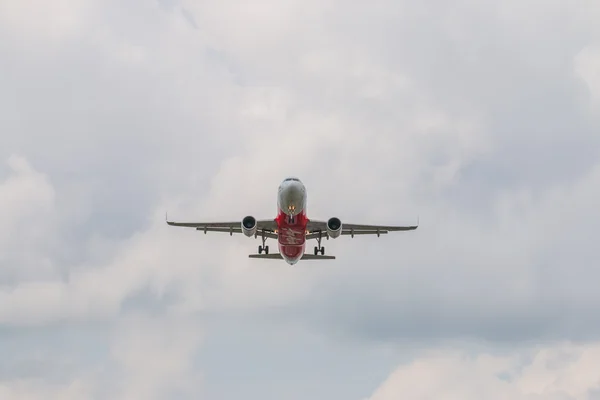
(249, 226)
(334, 227)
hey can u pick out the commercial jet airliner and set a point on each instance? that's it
(292, 228)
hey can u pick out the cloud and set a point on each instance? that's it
(98, 290)
(139, 355)
(560, 372)
(155, 356)
(515, 276)
(28, 220)
(480, 119)
(36, 22)
(586, 66)
(33, 390)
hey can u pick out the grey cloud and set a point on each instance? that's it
(52, 353)
(122, 191)
(134, 355)
(473, 117)
(532, 104)
(189, 17)
(524, 274)
(454, 373)
(168, 5)
(92, 117)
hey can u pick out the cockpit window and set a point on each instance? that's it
(292, 179)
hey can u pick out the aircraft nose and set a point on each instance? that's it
(294, 188)
(297, 192)
(292, 197)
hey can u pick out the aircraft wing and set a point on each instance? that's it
(316, 228)
(268, 226)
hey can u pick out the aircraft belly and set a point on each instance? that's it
(292, 240)
(291, 252)
(291, 236)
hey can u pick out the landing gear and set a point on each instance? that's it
(263, 247)
(319, 248)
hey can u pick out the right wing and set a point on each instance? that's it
(268, 226)
(318, 228)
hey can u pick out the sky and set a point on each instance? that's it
(479, 119)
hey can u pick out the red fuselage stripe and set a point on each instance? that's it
(291, 235)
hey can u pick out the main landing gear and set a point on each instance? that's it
(319, 248)
(263, 247)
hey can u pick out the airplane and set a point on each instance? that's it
(291, 228)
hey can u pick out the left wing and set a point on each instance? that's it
(316, 228)
(268, 226)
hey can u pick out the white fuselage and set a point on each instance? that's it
(291, 199)
(291, 220)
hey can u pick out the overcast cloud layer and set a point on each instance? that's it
(482, 119)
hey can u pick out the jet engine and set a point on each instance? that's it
(334, 227)
(249, 226)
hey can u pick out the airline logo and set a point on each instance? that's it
(290, 236)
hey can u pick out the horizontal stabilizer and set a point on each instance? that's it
(317, 257)
(274, 256)
(277, 256)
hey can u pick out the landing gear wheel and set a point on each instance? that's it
(319, 248)
(263, 247)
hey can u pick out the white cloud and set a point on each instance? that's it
(514, 275)
(27, 222)
(161, 258)
(462, 113)
(36, 389)
(559, 372)
(155, 356)
(147, 356)
(24, 194)
(41, 23)
(587, 65)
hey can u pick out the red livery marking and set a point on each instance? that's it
(292, 252)
(291, 235)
